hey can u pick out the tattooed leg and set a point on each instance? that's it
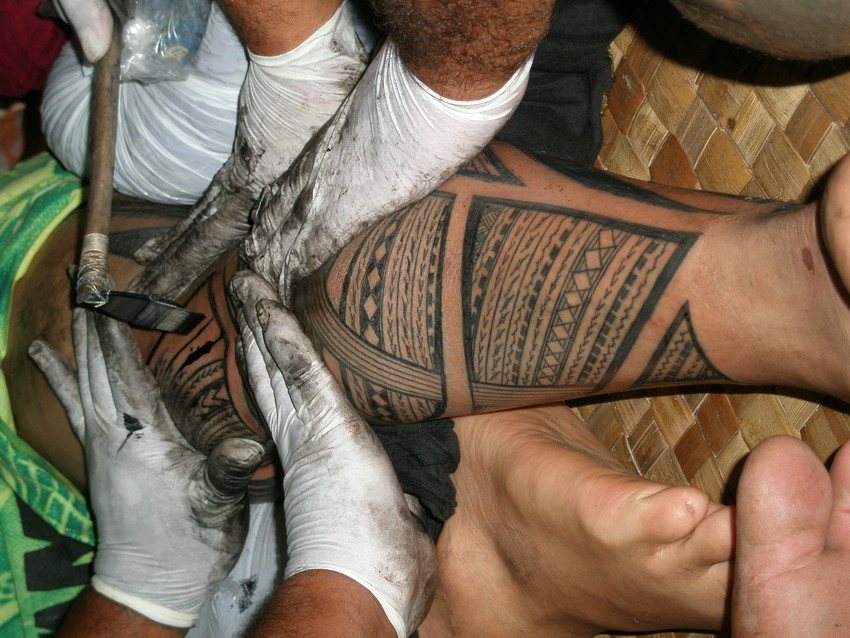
(514, 285)
(551, 531)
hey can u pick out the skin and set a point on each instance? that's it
(793, 542)
(314, 598)
(515, 465)
(431, 327)
(482, 44)
(94, 615)
(272, 27)
(806, 31)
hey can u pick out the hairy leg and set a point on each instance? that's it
(550, 530)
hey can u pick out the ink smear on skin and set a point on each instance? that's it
(247, 588)
(132, 425)
(807, 260)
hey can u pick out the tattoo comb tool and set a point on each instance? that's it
(94, 282)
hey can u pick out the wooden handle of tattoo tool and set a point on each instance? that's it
(93, 278)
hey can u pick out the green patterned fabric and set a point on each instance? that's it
(46, 533)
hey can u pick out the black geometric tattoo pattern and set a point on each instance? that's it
(610, 183)
(385, 322)
(487, 167)
(581, 285)
(194, 384)
(679, 357)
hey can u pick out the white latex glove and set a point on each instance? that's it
(391, 143)
(284, 100)
(170, 521)
(91, 21)
(345, 510)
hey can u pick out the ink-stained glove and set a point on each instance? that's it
(170, 521)
(345, 510)
(91, 21)
(392, 142)
(283, 101)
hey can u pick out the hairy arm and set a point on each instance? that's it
(93, 615)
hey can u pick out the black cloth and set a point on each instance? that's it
(559, 119)
(423, 455)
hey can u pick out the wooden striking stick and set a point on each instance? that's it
(93, 278)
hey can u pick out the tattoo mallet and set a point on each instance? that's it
(94, 283)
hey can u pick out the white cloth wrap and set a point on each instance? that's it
(394, 141)
(234, 604)
(172, 136)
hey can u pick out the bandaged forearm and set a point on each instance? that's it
(393, 141)
(158, 613)
(170, 520)
(345, 511)
(287, 97)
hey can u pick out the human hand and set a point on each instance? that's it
(170, 521)
(91, 21)
(284, 100)
(345, 510)
(391, 142)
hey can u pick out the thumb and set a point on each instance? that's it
(232, 463)
(303, 370)
(92, 22)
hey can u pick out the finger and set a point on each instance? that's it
(248, 288)
(62, 379)
(311, 386)
(134, 388)
(255, 367)
(92, 22)
(95, 392)
(264, 376)
(839, 474)
(232, 463)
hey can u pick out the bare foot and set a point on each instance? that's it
(835, 217)
(552, 537)
(793, 543)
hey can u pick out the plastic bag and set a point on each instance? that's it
(159, 37)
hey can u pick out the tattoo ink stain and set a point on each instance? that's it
(247, 589)
(132, 425)
(807, 260)
(200, 352)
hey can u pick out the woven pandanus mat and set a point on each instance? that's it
(688, 110)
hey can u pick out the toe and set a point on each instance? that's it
(784, 507)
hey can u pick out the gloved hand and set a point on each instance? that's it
(283, 101)
(170, 521)
(392, 142)
(345, 510)
(91, 21)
